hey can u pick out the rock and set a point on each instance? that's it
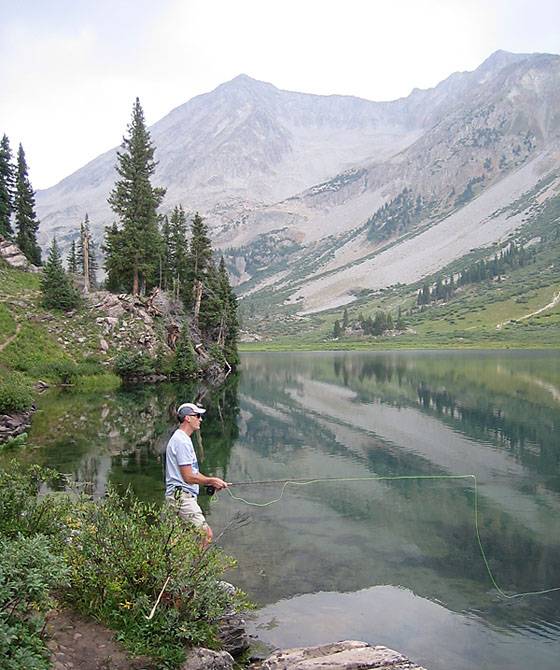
(346, 655)
(232, 631)
(40, 385)
(199, 658)
(12, 425)
(103, 345)
(13, 256)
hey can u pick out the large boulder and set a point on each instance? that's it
(347, 655)
(13, 256)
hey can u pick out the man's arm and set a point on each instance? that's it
(191, 477)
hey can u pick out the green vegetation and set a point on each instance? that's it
(487, 299)
(132, 253)
(27, 224)
(7, 185)
(140, 256)
(396, 216)
(110, 559)
(57, 290)
(133, 364)
(15, 393)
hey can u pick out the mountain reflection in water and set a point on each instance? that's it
(390, 562)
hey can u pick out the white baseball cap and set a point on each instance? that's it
(188, 409)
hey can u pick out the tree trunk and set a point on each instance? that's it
(135, 286)
(197, 290)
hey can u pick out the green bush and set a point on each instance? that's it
(31, 564)
(129, 364)
(60, 371)
(120, 557)
(22, 511)
(15, 393)
(184, 362)
(114, 556)
(29, 570)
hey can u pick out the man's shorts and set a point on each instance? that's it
(188, 509)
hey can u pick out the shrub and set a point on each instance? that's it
(129, 364)
(29, 570)
(22, 512)
(121, 556)
(15, 393)
(30, 567)
(184, 364)
(61, 371)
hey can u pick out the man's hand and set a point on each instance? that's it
(217, 483)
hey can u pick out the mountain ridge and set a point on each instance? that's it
(301, 168)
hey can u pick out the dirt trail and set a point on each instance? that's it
(11, 338)
(80, 643)
(555, 300)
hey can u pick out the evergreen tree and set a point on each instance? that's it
(135, 201)
(24, 207)
(179, 255)
(229, 321)
(184, 362)
(200, 252)
(337, 330)
(118, 272)
(7, 182)
(165, 265)
(72, 260)
(345, 319)
(84, 240)
(201, 275)
(400, 322)
(57, 289)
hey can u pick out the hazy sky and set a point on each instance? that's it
(70, 69)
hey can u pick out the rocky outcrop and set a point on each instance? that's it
(347, 655)
(13, 256)
(12, 425)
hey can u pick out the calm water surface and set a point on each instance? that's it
(392, 562)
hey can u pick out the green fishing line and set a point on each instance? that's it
(287, 483)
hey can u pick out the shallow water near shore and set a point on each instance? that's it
(390, 561)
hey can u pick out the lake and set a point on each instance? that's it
(383, 551)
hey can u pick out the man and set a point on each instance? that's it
(182, 477)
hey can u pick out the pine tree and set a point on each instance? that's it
(200, 252)
(118, 273)
(200, 268)
(7, 186)
(165, 264)
(92, 264)
(135, 201)
(337, 330)
(24, 207)
(229, 323)
(57, 289)
(72, 260)
(184, 363)
(86, 240)
(179, 254)
(345, 319)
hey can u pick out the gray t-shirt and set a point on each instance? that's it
(180, 451)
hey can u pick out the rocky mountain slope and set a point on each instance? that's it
(316, 198)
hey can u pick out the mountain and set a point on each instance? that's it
(316, 198)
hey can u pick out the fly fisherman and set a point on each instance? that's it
(182, 477)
